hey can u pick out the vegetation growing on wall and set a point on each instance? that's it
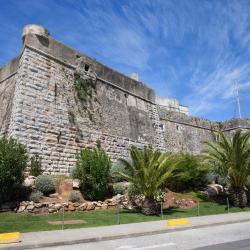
(85, 89)
(71, 117)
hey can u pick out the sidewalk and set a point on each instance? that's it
(82, 235)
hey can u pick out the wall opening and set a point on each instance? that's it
(86, 67)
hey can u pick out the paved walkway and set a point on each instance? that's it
(74, 236)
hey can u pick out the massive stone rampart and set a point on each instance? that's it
(41, 108)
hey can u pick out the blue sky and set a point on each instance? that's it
(192, 50)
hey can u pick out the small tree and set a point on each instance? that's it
(230, 158)
(35, 165)
(190, 172)
(149, 170)
(93, 171)
(13, 162)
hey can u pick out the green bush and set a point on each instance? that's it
(119, 167)
(13, 162)
(35, 165)
(93, 171)
(36, 196)
(45, 184)
(190, 172)
(74, 196)
(119, 188)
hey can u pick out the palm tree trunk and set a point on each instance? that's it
(150, 206)
(238, 197)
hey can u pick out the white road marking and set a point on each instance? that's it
(146, 247)
(126, 247)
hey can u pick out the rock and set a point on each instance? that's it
(51, 205)
(21, 209)
(57, 206)
(71, 208)
(90, 206)
(76, 183)
(55, 195)
(213, 190)
(76, 204)
(52, 210)
(29, 181)
(30, 207)
(82, 207)
(38, 205)
(104, 206)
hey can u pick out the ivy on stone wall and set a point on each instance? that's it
(85, 89)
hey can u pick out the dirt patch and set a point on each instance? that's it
(66, 222)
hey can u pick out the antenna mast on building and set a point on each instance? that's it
(237, 97)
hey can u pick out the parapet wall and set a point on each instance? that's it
(41, 109)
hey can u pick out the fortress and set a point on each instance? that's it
(56, 100)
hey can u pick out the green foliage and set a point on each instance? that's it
(84, 88)
(93, 171)
(71, 117)
(119, 188)
(13, 162)
(45, 184)
(230, 158)
(119, 167)
(149, 170)
(35, 166)
(74, 196)
(36, 196)
(190, 172)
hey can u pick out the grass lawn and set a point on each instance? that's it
(10, 222)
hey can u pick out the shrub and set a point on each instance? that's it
(93, 171)
(190, 172)
(45, 184)
(36, 196)
(119, 188)
(119, 167)
(35, 166)
(13, 162)
(74, 196)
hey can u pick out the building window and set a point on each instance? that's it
(162, 126)
(86, 67)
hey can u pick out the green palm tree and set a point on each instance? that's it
(230, 157)
(149, 170)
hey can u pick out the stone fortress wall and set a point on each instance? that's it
(40, 108)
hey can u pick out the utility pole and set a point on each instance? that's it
(237, 98)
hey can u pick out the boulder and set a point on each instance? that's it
(90, 206)
(29, 181)
(21, 209)
(57, 206)
(55, 195)
(76, 183)
(213, 190)
(30, 207)
(82, 207)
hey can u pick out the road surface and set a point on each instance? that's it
(226, 237)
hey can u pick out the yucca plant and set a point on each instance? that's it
(230, 157)
(149, 170)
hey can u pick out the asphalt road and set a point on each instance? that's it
(226, 237)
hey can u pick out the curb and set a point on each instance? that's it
(115, 237)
